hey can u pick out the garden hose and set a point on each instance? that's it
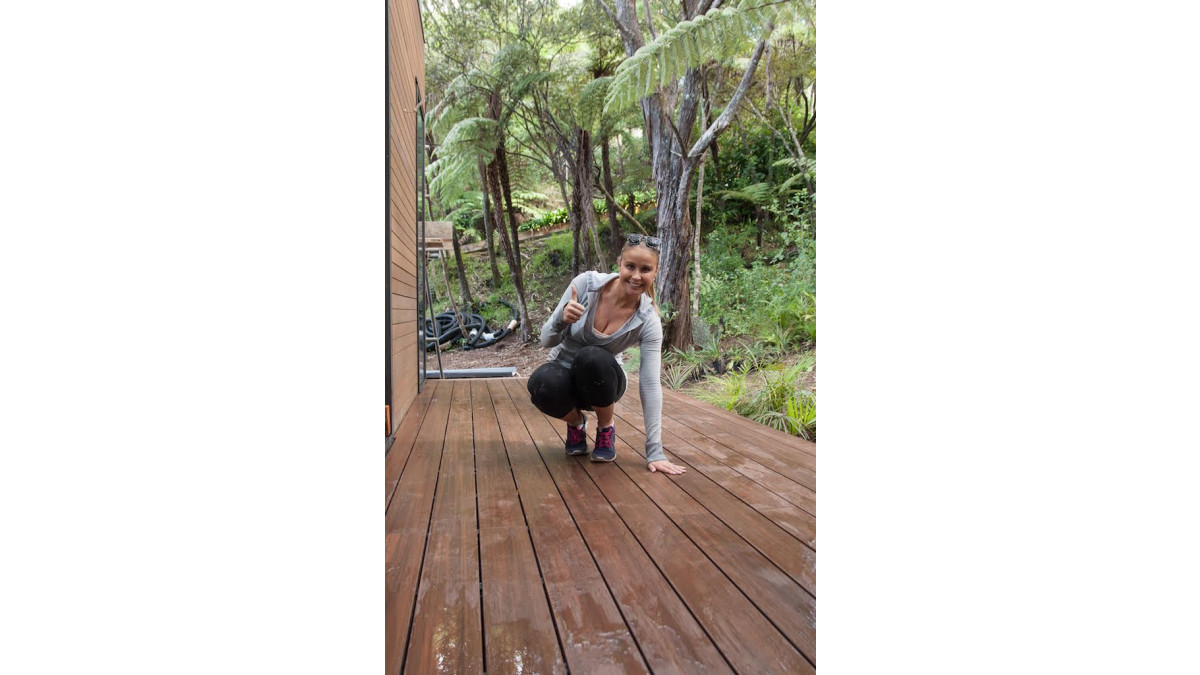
(445, 330)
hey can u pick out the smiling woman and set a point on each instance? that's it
(598, 317)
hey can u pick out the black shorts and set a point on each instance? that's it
(594, 379)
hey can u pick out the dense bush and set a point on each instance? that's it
(642, 200)
(773, 292)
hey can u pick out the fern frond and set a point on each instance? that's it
(513, 58)
(757, 194)
(476, 133)
(690, 44)
(461, 101)
(522, 86)
(449, 177)
(788, 184)
(591, 101)
(470, 139)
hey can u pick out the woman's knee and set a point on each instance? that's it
(592, 358)
(550, 389)
(597, 376)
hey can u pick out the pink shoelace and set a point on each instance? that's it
(604, 437)
(575, 435)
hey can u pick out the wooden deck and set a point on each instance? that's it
(505, 555)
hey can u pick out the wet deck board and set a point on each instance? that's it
(406, 435)
(447, 626)
(519, 629)
(593, 634)
(504, 554)
(406, 523)
(669, 636)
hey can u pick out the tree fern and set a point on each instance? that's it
(528, 202)
(805, 168)
(789, 185)
(758, 194)
(690, 44)
(591, 102)
(512, 58)
(458, 103)
(470, 139)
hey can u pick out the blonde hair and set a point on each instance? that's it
(649, 284)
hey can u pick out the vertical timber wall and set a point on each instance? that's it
(406, 74)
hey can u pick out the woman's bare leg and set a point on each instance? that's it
(604, 415)
(575, 417)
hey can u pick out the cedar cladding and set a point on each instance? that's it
(405, 72)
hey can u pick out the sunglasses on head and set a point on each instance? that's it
(635, 239)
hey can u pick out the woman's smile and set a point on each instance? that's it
(638, 265)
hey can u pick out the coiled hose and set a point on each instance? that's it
(444, 329)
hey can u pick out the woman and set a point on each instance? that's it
(599, 316)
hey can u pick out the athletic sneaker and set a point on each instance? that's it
(577, 439)
(606, 445)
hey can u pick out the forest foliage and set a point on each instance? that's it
(694, 121)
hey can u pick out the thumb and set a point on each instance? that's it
(652, 469)
(574, 293)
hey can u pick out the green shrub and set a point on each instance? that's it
(730, 392)
(554, 258)
(560, 216)
(632, 359)
(798, 417)
(546, 220)
(772, 398)
(677, 374)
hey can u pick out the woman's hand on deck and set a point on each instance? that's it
(663, 466)
(573, 310)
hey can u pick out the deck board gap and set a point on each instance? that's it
(478, 538)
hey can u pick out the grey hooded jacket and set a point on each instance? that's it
(643, 330)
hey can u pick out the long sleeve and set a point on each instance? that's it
(552, 330)
(650, 387)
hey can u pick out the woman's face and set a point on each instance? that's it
(638, 267)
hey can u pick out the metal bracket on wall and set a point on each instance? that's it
(432, 318)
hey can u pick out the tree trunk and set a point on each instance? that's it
(487, 226)
(493, 174)
(462, 270)
(696, 238)
(574, 214)
(601, 262)
(572, 217)
(506, 186)
(675, 233)
(587, 170)
(581, 199)
(614, 231)
(673, 164)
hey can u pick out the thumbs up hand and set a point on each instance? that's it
(573, 310)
